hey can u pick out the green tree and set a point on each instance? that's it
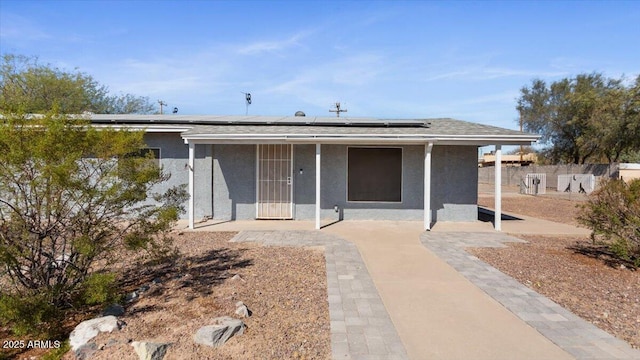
(588, 117)
(613, 214)
(28, 86)
(71, 197)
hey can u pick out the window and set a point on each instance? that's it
(143, 158)
(374, 174)
(153, 154)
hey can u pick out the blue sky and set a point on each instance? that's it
(388, 59)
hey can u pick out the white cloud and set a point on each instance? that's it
(475, 73)
(259, 47)
(16, 27)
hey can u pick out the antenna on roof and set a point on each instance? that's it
(162, 103)
(337, 110)
(247, 98)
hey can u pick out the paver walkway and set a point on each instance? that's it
(444, 302)
(578, 337)
(438, 313)
(360, 325)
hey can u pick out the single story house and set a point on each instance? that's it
(299, 167)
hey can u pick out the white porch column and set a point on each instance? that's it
(317, 186)
(191, 185)
(427, 185)
(498, 189)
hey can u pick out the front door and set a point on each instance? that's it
(274, 188)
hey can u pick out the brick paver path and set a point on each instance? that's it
(571, 333)
(360, 325)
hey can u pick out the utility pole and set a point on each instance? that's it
(337, 109)
(162, 103)
(521, 145)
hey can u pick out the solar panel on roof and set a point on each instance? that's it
(258, 120)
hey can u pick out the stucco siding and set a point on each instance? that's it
(304, 192)
(454, 183)
(174, 157)
(225, 181)
(334, 186)
(234, 182)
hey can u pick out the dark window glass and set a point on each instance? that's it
(374, 174)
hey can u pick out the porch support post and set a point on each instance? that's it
(317, 186)
(191, 185)
(427, 185)
(498, 189)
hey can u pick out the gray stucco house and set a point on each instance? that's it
(267, 167)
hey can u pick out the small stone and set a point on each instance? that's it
(86, 351)
(149, 350)
(113, 309)
(143, 288)
(237, 277)
(157, 281)
(131, 297)
(242, 310)
(220, 332)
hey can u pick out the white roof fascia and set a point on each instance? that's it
(146, 128)
(391, 139)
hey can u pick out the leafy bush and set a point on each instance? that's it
(72, 198)
(26, 314)
(613, 214)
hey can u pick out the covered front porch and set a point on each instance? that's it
(318, 181)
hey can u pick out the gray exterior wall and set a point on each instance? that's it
(174, 157)
(454, 183)
(234, 182)
(225, 181)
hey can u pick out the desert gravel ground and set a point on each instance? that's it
(571, 271)
(285, 288)
(543, 207)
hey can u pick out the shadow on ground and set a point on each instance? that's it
(602, 253)
(200, 272)
(487, 215)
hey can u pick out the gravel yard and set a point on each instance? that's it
(285, 288)
(570, 270)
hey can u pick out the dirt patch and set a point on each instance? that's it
(552, 209)
(284, 287)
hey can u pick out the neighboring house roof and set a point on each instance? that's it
(252, 129)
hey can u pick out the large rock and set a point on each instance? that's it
(220, 332)
(149, 350)
(89, 329)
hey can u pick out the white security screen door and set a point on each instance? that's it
(275, 196)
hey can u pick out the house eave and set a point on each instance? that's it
(405, 139)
